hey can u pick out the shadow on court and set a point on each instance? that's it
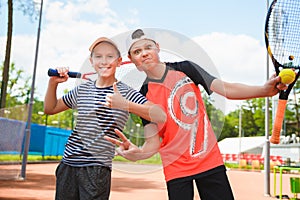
(127, 185)
(40, 184)
(33, 182)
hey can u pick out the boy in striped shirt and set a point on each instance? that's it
(85, 169)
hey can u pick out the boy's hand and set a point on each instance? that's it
(63, 75)
(126, 148)
(274, 85)
(116, 100)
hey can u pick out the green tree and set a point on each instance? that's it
(216, 116)
(38, 116)
(18, 87)
(291, 119)
(231, 124)
(5, 71)
(28, 8)
(253, 117)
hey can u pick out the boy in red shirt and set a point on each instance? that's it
(186, 141)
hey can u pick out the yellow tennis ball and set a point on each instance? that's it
(287, 76)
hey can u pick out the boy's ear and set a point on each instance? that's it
(158, 48)
(119, 61)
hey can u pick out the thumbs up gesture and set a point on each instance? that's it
(116, 100)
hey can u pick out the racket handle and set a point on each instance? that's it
(275, 137)
(53, 72)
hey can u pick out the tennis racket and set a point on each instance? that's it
(85, 76)
(53, 72)
(127, 74)
(282, 38)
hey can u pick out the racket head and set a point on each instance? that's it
(282, 34)
(282, 37)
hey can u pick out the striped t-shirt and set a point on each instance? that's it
(86, 145)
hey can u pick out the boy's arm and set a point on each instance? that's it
(52, 105)
(152, 141)
(149, 111)
(241, 91)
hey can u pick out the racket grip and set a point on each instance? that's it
(53, 72)
(275, 137)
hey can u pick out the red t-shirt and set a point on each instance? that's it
(189, 145)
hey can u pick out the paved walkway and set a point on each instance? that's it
(130, 181)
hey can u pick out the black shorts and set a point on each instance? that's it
(211, 185)
(84, 183)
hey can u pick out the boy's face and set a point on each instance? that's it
(144, 53)
(105, 59)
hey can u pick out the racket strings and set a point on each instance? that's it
(284, 32)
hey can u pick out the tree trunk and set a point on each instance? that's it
(5, 73)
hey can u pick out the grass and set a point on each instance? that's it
(36, 158)
(31, 158)
(155, 159)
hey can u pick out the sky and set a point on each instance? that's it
(230, 32)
